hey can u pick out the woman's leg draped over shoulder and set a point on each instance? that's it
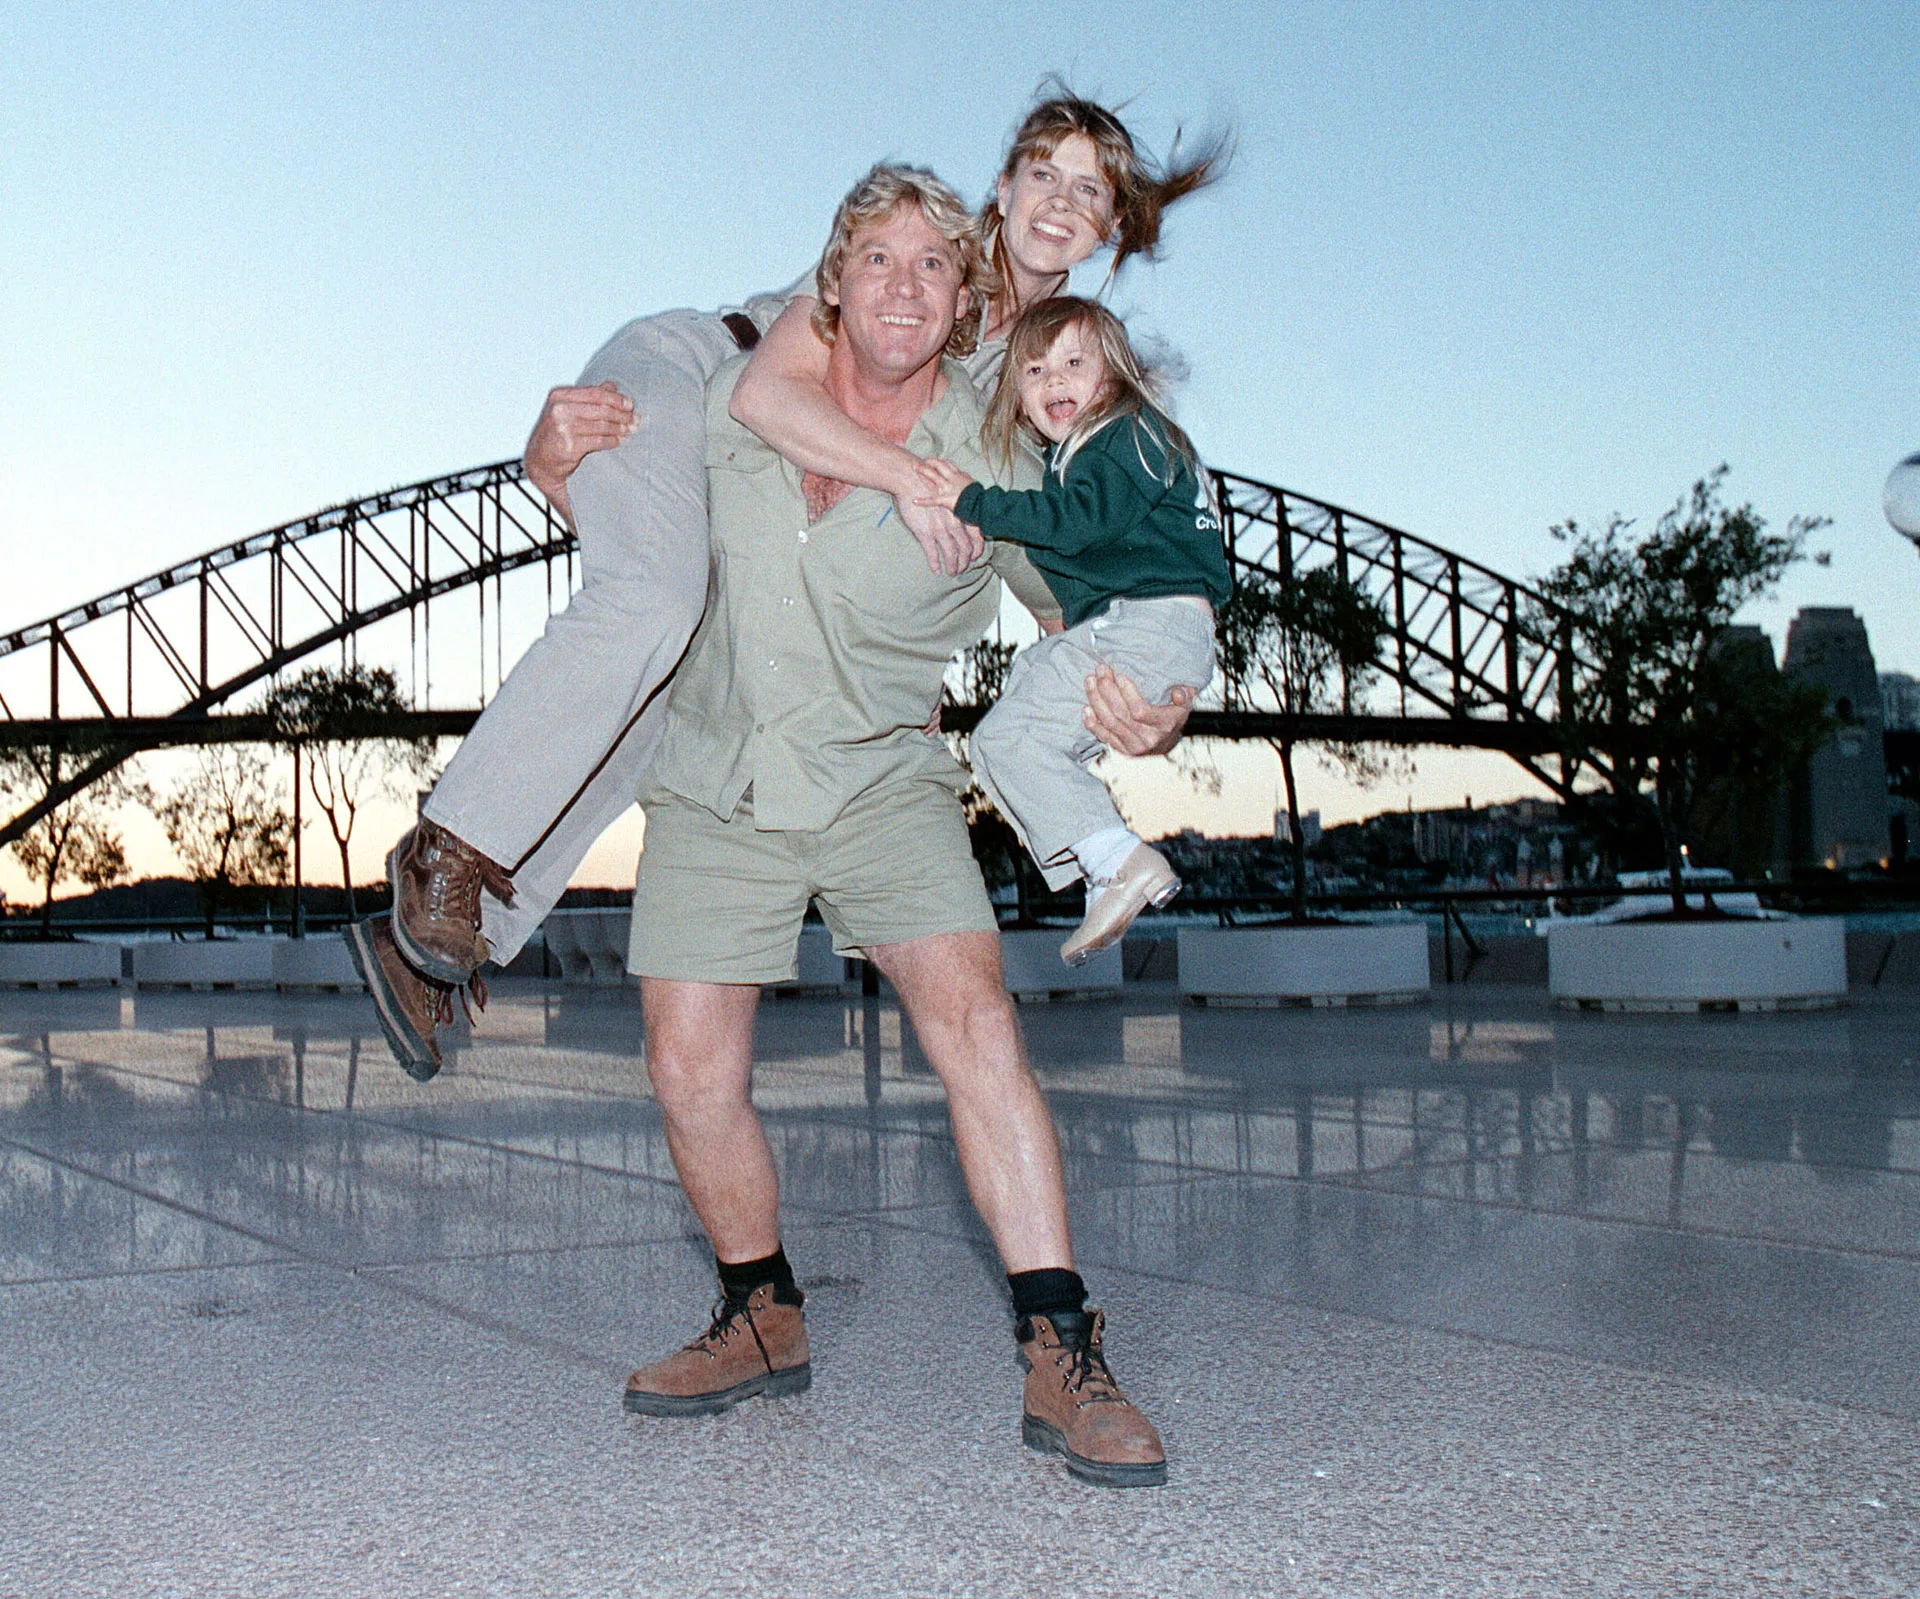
(641, 514)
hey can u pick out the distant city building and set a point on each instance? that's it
(1899, 702)
(1745, 830)
(1840, 809)
(1311, 831)
(1900, 710)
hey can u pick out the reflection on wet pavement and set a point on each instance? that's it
(1723, 1201)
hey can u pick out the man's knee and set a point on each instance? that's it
(957, 997)
(698, 1038)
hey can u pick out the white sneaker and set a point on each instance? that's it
(1144, 879)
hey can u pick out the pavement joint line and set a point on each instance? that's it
(1346, 1186)
(588, 1247)
(843, 1116)
(296, 1254)
(1498, 1341)
(1296, 1302)
(1350, 1183)
(1354, 1183)
(145, 1271)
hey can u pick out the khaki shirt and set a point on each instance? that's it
(822, 651)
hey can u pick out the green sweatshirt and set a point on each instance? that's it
(1114, 528)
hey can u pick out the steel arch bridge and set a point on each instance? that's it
(1473, 658)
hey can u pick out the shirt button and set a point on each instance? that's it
(803, 535)
(759, 727)
(786, 599)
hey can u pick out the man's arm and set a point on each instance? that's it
(1024, 581)
(1123, 719)
(782, 397)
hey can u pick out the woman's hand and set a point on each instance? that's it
(951, 545)
(943, 483)
(573, 424)
(1123, 719)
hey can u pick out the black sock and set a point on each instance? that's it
(1046, 1292)
(739, 1279)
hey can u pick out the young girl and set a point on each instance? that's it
(1130, 544)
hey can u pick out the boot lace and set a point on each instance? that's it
(459, 875)
(473, 998)
(725, 1316)
(1088, 1375)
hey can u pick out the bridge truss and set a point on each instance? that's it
(1473, 659)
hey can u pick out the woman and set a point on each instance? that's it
(1072, 181)
(558, 754)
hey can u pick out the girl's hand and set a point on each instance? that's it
(949, 544)
(945, 483)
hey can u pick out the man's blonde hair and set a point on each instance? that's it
(876, 197)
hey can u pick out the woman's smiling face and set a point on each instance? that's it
(1057, 209)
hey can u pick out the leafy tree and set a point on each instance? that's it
(1301, 648)
(227, 825)
(1679, 710)
(76, 843)
(332, 717)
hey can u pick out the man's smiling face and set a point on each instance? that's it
(901, 290)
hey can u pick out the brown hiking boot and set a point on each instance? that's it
(437, 880)
(410, 1007)
(1076, 1409)
(756, 1348)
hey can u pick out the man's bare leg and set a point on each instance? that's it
(700, 1057)
(956, 995)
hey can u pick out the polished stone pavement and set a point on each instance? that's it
(1473, 1297)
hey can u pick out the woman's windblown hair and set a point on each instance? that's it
(1142, 190)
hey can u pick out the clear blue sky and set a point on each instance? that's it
(1478, 268)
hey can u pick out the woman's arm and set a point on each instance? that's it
(782, 397)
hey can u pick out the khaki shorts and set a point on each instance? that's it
(718, 902)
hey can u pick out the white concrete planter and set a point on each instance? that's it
(1035, 970)
(590, 946)
(58, 965)
(318, 961)
(1355, 963)
(222, 963)
(1795, 963)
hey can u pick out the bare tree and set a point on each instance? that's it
(76, 843)
(227, 825)
(332, 716)
(1300, 648)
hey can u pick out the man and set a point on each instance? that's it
(795, 767)
(556, 757)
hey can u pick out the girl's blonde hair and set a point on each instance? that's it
(1130, 391)
(1141, 190)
